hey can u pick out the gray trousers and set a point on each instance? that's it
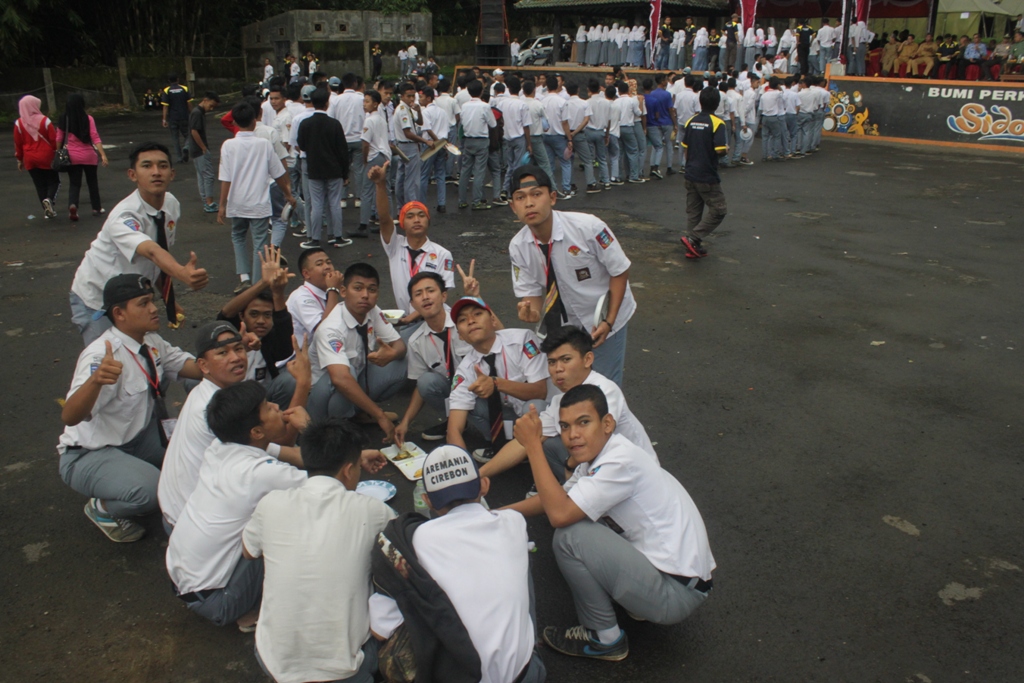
(819, 119)
(592, 148)
(369, 189)
(479, 417)
(805, 124)
(299, 192)
(124, 477)
(772, 142)
(407, 182)
(281, 389)
(356, 172)
(474, 164)
(242, 594)
(791, 134)
(205, 176)
(540, 154)
(329, 192)
(515, 148)
(632, 161)
(434, 389)
(381, 384)
(495, 162)
(610, 357)
(602, 568)
(614, 157)
(699, 195)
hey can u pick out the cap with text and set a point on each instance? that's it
(450, 475)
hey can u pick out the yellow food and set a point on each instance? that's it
(404, 454)
(418, 473)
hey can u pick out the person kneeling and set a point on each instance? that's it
(464, 626)
(626, 531)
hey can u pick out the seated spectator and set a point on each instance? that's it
(1016, 58)
(926, 52)
(315, 541)
(889, 54)
(907, 53)
(204, 554)
(998, 54)
(974, 53)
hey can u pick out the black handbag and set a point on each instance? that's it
(62, 158)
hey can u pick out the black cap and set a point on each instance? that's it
(122, 288)
(543, 179)
(206, 337)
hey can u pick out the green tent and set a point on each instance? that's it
(959, 17)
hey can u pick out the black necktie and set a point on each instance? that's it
(164, 282)
(413, 255)
(554, 310)
(160, 408)
(494, 406)
(449, 362)
(361, 329)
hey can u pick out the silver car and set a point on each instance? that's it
(536, 50)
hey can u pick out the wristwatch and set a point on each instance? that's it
(335, 290)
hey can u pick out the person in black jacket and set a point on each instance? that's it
(262, 309)
(322, 138)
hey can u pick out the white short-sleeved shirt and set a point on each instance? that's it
(336, 341)
(537, 115)
(404, 119)
(629, 110)
(515, 116)
(556, 110)
(626, 423)
(792, 100)
(480, 560)
(316, 541)
(375, 132)
(585, 256)
(477, 119)
(451, 107)
(517, 358)
(268, 72)
(687, 104)
(267, 113)
(282, 123)
(600, 112)
(128, 225)
(413, 52)
(306, 305)
(462, 96)
(772, 104)
(348, 110)
(270, 134)
(654, 511)
(576, 110)
(298, 118)
(434, 259)
(296, 68)
(426, 350)
(436, 119)
(184, 456)
(614, 118)
(206, 543)
(124, 408)
(248, 162)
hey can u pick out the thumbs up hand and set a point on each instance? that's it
(193, 276)
(484, 385)
(529, 429)
(383, 354)
(109, 370)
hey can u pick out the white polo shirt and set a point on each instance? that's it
(480, 559)
(184, 456)
(267, 112)
(124, 408)
(207, 540)
(434, 259)
(576, 110)
(348, 110)
(585, 255)
(791, 99)
(515, 116)
(282, 123)
(128, 225)
(316, 541)
(556, 110)
(771, 103)
(336, 341)
(375, 132)
(306, 306)
(517, 358)
(477, 119)
(629, 109)
(654, 511)
(248, 163)
(626, 423)
(426, 349)
(614, 118)
(436, 119)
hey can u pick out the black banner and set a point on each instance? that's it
(989, 114)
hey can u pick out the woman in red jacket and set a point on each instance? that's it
(35, 139)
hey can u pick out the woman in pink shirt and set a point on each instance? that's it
(85, 149)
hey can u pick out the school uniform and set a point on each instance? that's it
(657, 561)
(204, 554)
(515, 116)
(326, 147)
(477, 120)
(407, 180)
(773, 117)
(452, 109)
(538, 120)
(342, 340)
(347, 109)
(578, 109)
(249, 163)
(115, 454)
(614, 142)
(805, 118)
(515, 356)
(435, 119)
(629, 111)
(581, 259)
(192, 436)
(405, 262)
(555, 141)
(375, 132)
(113, 252)
(790, 138)
(599, 110)
(687, 105)
(433, 359)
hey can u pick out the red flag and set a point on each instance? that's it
(748, 10)
(655, 28)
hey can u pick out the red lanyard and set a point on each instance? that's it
(547, 264)
(153, 382)
(323, 305)
(447, 356)
(414, 267)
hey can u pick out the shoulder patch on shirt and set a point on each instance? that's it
(133, 224)
(515, 271)
(448, 264)
(336, 345)
(574, 250)
(530, 349)
(605, 238)
(457, 380)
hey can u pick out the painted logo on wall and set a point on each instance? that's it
(997, 123)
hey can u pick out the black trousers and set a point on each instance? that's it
(75, 180)
(803, 54)
(47, 182)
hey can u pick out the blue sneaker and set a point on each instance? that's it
(117, 530)
(580, 641)
(211, 208)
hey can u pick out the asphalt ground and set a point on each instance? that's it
(838, 386)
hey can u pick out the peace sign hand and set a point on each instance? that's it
(470, 285)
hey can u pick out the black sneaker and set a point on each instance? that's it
(438, 432)
(341, 242)
(655, 172)
(463, 205)
(441, 209)
(563, 196)
(693, 247)
(301, 232)
(333, 240)
(361, 232)
(670, 170)
(309, 244)
(607, 186)
(499, 201)
(618, 181)
(593, 188)
(580, 641)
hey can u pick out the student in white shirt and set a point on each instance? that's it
(403, 61)
(557, 137)
(281, 122)
(538, 123)
(135, 238)
(453, 110)
(791, 101)
(348, 109)
(204, 554)
(496, 380)
(656, 563)
(409, 253)
(570, 356)
(247, 165)
(357, 357)
(748, 118)
(376, 151)
(615, 160)
(316, 541)
(629, 113)
(479, 558)
(826, 39)
(477, 120)
(563, 263)
(435, 119)
(773, 119)
(516, 122)
(114, 439)
(408, 130)
(805, 118)
(318, 294)
(687, 105)
(578, 112)
(268, 73)
(596, 138)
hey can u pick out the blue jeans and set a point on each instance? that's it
(366, 670)
(662, 58)
(555, 146)
(81, 316)
(260, 228)
(610, 357)
(435, 167)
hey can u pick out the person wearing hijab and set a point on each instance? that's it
(771, 44)
(759, 45)
(35, 139)
(78, 131)
(619, 49)
(579, 48)
(593, 46)
(648, 46)
(787, 43)
(749, 49)
(700, 50)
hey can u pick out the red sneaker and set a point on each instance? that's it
(73, 213)
(693, 247)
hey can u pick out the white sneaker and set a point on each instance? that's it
(117, 530)
(359, 203)
(344, 203)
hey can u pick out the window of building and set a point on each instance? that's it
(343, 28)
(318, 28)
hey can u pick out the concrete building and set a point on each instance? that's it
(341, 40)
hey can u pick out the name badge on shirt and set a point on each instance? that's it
(261, 374)
(582, 274)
